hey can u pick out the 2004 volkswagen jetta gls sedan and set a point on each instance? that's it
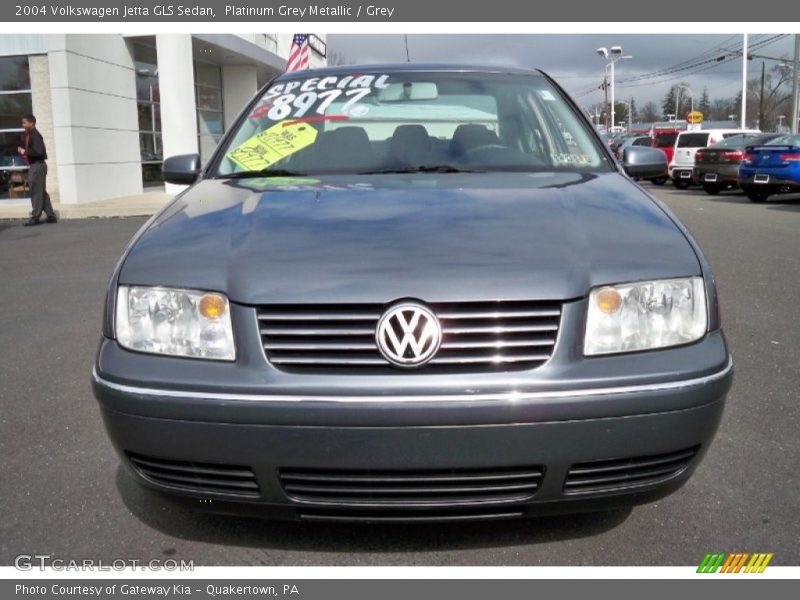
(417, 292)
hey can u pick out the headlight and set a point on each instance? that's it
(645, 315)
(175, 322)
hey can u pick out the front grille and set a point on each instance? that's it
(606, 475)
(206, 478)
(475, 336)
(409, 489)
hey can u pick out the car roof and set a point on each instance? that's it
(399, 67)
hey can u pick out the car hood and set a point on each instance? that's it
(442, 237)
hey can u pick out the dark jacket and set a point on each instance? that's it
(35, 149)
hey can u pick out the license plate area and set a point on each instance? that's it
(711, 177)
(686, 175)
(761, 179)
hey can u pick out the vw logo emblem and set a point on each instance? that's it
(408, 335)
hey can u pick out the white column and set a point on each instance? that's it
(239, 85)
(178, 108)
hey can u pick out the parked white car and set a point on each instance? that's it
(681, 169)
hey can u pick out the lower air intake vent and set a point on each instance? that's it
(410, 489)
(406, 516)
(205, 478)
(606, 475)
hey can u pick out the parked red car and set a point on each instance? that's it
(664, 140)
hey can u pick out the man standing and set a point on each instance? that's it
(35, 154)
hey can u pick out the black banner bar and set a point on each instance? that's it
(439, 11)
(733, 587)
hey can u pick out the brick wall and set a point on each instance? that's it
(43, 109)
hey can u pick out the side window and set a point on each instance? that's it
(568, 144)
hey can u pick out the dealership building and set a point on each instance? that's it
(110, 107)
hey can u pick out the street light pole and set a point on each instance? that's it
(612, 56)
(613, 111)
(744, 84)
(630, 114)
(796, 85)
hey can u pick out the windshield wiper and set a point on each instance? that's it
(263, 173)
(422, 169)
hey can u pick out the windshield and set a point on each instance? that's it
(693, 140)
(409, 121)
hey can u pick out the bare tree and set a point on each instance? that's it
(649, 113)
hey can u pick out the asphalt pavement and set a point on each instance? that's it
(63, 493)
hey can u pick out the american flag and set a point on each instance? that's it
(298, 54)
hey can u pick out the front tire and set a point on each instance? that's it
(658, 180)
(681, 185)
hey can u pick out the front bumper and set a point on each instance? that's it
(415, 434)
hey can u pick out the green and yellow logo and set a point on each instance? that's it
(743, 562)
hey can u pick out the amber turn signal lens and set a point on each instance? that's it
(212, 306)
(608, 300)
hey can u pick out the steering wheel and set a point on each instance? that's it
(467, 154)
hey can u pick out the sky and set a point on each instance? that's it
(572, 60)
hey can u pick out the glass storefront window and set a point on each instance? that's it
(148, 95)
(271, 42)
(150, 147)
(12, 107)
(208, 96)
(15, 74)
(15, 101)
(207, 75)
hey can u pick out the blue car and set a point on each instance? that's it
(771, 168)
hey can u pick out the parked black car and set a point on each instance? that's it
(412, 292)
(717, 167)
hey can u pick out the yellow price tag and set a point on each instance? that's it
(273, 144)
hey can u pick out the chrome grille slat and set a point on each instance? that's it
(309, 331)
(328, 360)
(496, 358)
(498, 315)
(321, 346)
(284, 316)
(496, 344)
(499, 329)
(476, 336)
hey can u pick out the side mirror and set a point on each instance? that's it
(182, 169)
(641, 162)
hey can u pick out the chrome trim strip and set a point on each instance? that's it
(503, 396)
